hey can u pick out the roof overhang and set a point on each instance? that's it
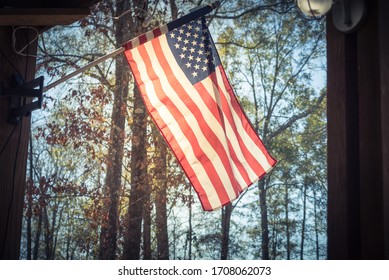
(43, 12)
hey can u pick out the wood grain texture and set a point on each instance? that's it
(342, 104)
(358, 138)
(383, 23)
(370, 148)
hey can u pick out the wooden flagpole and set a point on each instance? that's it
(84, 68)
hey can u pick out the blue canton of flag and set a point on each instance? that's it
(192, 46)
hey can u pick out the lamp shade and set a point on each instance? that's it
(314, 8)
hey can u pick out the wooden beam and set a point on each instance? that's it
(25, 4)
(370, 148)
(68, 3)
(383, 23)
(41, 17)
(358, 139)
(342, 118)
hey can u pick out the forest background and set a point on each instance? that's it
(102, 183)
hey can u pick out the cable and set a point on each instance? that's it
(7, 141)
(28, 52)
(13, 186)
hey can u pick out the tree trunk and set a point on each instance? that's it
(138, 179)
(303, 222)
(116, 145)
(147, 224)
(115, 159)
(287, 223)
(48, 234)
(52, 229)
(264, 220)
(30, 183)
(274, 240)
(138, 162)
(37, 237)
(57, 231)
(189, 236)
(102, 238)
(225, 234)
(29, 240)
(316, 225)
(68, 240)
(161, 199)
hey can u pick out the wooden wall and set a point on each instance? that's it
(13, 158)
(357, 112)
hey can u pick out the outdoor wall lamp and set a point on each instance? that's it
(347, 15)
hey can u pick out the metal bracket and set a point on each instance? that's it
(18, 107)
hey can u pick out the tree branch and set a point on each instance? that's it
(295, 118)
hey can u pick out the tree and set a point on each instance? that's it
(113, 183)
(274, 63)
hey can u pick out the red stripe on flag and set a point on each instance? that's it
(128, 45)
(157, 32)
(142, 39)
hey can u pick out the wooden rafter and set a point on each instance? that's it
(41, 17)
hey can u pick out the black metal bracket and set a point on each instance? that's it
(18, 107)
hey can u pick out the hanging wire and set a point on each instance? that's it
(8, 139)
(14, 40)
(13, 185)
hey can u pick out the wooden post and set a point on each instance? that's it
(357, 112)
(383, 22)
(342, 117)
(370, 141)
(13, 144)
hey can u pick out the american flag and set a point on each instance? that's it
(187, 93)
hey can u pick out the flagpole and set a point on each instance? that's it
(84, 68)
(193, 15)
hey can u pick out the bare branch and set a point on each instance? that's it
(295, 118)
(272, 7)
